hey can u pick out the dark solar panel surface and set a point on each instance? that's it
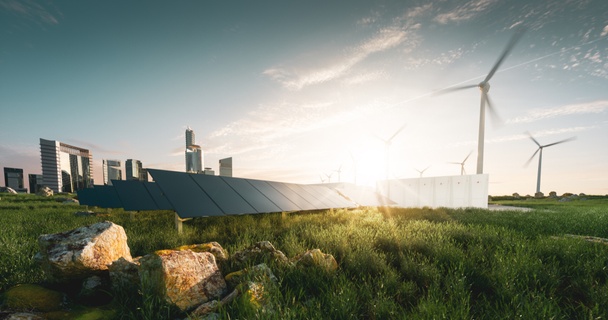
(226, 198)
(157, 196)
(184, 194)
(134, 195)
(107, 197)
(252, 195)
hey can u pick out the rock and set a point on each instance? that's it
(27, 297)
(582, 195)
(317, 258)
(552, 194)
(259, 252)
(205, 310)
(84, 213)
(124, 274)
(7, 190)
(183, 278)
(82, 252)
(516, 195)
(260, 272)
(23, 316)
(212, 247)
(94, 292)
(45, 192)
(70, 201)
(539, 195)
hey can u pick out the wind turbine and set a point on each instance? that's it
(462, 170)
(322, 180)
(540, 156)
(387, 144)
(484, 87)
(422, 171)
(328, 177)
(339, 171)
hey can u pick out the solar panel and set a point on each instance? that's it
(157, 196)
(186, 197)
(134, 195)
(275, 196)
(87, 197)
(229, 201)
(329, 196)
(293, 196)
(309, 197)
(107, 197)
(252, 195)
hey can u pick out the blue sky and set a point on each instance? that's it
(293, 91)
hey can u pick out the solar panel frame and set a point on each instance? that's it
(185, 195)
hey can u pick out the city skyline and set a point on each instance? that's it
(297, 91)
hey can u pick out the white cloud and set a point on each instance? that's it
(582, 108)
(605, 31)
(29, 10)
(364, 77)
(383, 40)
(464, 12)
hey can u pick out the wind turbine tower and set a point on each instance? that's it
(540, 156)
(387, 144)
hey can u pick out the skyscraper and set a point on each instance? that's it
(190, 137)
(194, 154)
(226, 167)
(135, 171)
(65, 168)
(194, 159)
(13, 178)
(111, 171)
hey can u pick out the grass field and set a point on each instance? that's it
(394, 263)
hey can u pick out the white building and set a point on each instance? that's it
(226, 167)
(65, 168)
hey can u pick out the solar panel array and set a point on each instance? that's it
(198, 195)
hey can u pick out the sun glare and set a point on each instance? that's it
(369, 163)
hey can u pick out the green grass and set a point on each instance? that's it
(394, 263)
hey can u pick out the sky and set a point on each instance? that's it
(297, 91)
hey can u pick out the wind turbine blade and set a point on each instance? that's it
(496, 119)
(531, 137)
(396, 133)
(465, 159)
(460, 163)
(562, 141)
(378, 137)
(452, 89)
(532, 157)
(426, 168)
(518, 33)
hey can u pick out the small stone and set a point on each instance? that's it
(45, 192)
(212, 247)
(259, 252)
(7, 190)
(317, 258)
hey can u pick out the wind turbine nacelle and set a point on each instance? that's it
(484, 86)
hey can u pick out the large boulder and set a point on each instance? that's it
(183, 278)
(82, 252)
(260, 252)
(45, 192)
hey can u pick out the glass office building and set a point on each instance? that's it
(111, 171)
(36, 182)
(194, 159)
(13, 178)
(65, 168)
(135, 171)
